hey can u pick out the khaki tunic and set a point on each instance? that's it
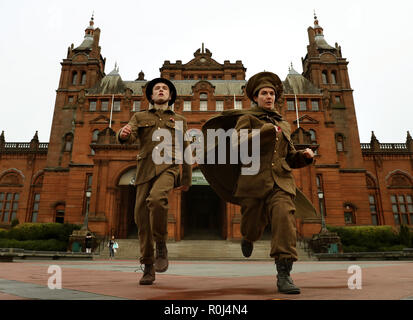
(154, 181)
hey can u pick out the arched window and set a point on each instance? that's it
(349, 213)
(324, 77)
(60, 213)
(68, 142)
(203, 103)
(37, 187)
(340, 142)
(333, 77)
(74, 78)
(313, 138)
(83, 79)
(95, 136)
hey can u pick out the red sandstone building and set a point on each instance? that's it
(82, 172)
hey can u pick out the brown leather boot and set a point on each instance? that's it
(148, 275)
(284, 282)
(161, 257)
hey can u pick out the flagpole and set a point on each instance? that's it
(111, 108)
(296, 110)
(234, 102)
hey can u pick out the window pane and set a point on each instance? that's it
(374, 220)
(187, 105)
(405, 219)
(393, 199)
(203, 106)
(303, 105)
(372, 208)
(291, 105)
(36, 207)
(1, 205)
(9, 196)
(396, 219)
(15, 205)
(16, 196)
(410, 208)
(348, 217)
(92, 106)
(13, 215)
(372, 200)
(7, 208)
(400, 198)
(402, 208)
(37, 197)
(220, 105)
(395, 209)
(34, 217)
(408, 199)
(238, 105)
(89, 180)
(116, 106)
(339, 146)
(324, 76)
(203, 96)
(314, 105)
(1, 196)
(105, 105)
(136, 106)
(95, 135)
(6, 217)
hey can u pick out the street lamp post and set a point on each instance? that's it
(323, 222)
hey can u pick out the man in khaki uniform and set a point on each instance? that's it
(154, 178)
(266, 197)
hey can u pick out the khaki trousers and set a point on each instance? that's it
(277, 208)
(151, 212)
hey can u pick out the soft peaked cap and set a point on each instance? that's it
(264, 80)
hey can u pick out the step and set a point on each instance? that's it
(201, 250)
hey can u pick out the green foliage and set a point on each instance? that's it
(38, 236)
(405, 236)
(14, 222)
(42, 231)
(367, 238)
(37, 245)
(3, 233)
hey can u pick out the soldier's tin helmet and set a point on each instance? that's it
(152, 83)
(263, 80)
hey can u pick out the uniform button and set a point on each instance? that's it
(275, 151)
(276, 139)
(272, 164)
(159, 127)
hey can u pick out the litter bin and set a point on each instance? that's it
(76, 246)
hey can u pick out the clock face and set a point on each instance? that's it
(202, 60)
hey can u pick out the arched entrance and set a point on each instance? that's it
(127, 196)
(203, 212)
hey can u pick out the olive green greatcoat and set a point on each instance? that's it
(277, 157)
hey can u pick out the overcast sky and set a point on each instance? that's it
(376, 37)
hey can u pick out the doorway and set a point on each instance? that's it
(202, 214)
(127, 225)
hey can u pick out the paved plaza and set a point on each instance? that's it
(204, 280)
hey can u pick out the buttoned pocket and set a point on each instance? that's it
(146, 123)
